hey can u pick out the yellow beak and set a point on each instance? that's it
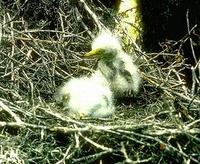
(94, 53)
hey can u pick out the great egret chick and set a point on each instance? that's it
(87, 96)
(116, 65)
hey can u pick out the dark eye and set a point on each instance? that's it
(65, 98)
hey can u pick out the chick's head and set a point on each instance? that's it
(105, 46)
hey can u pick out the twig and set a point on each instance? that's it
(192, 123)
(189, 32)
(1, 32)
(36, 40)
(90, 158)
(83, 24)
(128, 160)
(65, 156)
(123, 150)
(168, 146)
(195, 80)
(7, 109)
(61, 117)
(93, 15)
(98, 146)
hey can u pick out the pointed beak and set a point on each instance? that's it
(96, 53)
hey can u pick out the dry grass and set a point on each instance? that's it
(159, 125)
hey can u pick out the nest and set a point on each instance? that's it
(159, 125)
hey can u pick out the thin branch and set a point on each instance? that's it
(189, 32)
(98, 146)
(7, 109)
(93, 15)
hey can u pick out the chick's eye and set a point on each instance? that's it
(65, 97)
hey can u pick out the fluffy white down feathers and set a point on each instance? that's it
(121, 72)
(105, 40)
(93, 96)
(87, 97)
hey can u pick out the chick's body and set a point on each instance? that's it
(128, 78)
(87, 96)
(116, 65)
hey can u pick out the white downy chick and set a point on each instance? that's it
(116, 65)
(87, 96)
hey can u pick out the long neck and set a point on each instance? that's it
(107, 69)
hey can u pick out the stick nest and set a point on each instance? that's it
(159, 125)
